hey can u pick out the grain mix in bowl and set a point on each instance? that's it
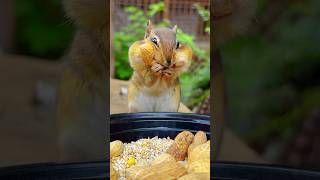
(186, 157)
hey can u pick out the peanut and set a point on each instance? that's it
(202, 151)
(196, 176)
(200, 166)
(161, 171)
(180, 146)
(116, 148)
(199, 138)
(163, 158)
(113, 174)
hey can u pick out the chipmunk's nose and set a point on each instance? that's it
(168, 62)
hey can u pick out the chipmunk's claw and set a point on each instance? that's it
(167, 72)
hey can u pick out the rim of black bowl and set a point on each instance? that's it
(55, 170)
(162, 122)
(247, 171)
(161, 115)
(100, 170)
(118, 119)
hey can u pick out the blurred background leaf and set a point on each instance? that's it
(42, 30)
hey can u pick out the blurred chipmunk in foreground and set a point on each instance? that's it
(157, 61)
(82, 95)
(230, 18)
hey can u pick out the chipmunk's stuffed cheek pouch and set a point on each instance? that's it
(147, 49)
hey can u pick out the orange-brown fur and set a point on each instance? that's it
(157, 67)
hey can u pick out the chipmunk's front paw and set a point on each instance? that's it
(157, 68)
(179, 65)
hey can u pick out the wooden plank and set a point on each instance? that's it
(167, 9)
(174, 9)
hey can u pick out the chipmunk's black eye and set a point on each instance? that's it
(154, 40)
(178, 45)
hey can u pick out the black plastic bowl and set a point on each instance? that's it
(238, 171)
(99, 170)
(134, 126)
(87, 170)
(130, 127)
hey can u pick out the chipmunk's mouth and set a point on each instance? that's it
(159, 62)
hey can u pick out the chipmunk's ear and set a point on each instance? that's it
(148, 29)
(174, 29)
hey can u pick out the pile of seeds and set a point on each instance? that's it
(140, 152)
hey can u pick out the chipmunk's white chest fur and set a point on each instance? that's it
(146, 102)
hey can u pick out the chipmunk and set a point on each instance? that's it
(230, 18)
(157, 61)
(82, 93)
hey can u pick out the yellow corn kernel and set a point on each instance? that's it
(131, 161)
(145, 144)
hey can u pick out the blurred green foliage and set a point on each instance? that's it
(273, 76)
(205, 15)
(42, 29)
(194, 84)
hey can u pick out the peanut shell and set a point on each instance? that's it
(199, 138)
(161, 171)
(180, 146)
(196, 176)
(113, 174)
(176, 152)
(202, 151)
(165, 157)
(116, 148)
(200, 166)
